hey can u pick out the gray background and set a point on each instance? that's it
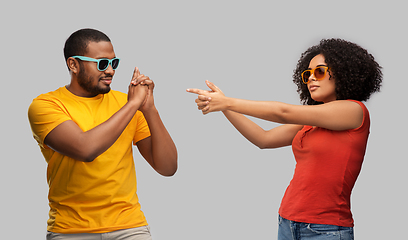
(225, 187)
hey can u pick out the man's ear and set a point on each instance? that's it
(73, 65)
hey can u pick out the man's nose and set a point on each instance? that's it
(109, 70)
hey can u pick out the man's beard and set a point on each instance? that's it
(86, 82)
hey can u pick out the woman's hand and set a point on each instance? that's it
(210, 101)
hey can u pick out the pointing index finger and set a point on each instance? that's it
(196, 91)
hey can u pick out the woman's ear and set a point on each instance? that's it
(73, 65)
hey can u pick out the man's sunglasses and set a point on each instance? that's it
(103, 63)
(319, 72)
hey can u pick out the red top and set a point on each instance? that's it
(327, 166)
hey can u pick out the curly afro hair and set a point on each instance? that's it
(357, 75)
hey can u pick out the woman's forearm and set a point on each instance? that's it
(250, 130)
(280, 136)
(267, 110)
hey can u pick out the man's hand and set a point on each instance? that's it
(140, 79)
(137, 92)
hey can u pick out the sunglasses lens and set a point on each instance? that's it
(319, 72)
(115, 63)
(305, 76)
(103, 64)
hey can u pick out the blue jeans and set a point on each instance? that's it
(290, 230)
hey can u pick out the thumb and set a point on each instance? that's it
(212, 86)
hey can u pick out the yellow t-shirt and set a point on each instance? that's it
(92, 197)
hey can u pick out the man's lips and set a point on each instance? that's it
(107, 80)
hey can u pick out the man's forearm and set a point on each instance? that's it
(105, 135)
(163, 149)
(68, 139)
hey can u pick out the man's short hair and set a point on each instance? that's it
(76, 44)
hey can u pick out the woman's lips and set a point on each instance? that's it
(313, 87)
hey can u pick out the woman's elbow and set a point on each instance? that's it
(260, 143)
(269, 145)
(261, 147)
(265, 146)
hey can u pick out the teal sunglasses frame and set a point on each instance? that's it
(110, 61)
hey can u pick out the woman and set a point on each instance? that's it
(328, 134)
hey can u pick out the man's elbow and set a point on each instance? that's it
(79, 154)
(86, 158)
(168, 173)
(170, 169)
(86, 155)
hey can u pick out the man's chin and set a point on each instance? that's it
(105, 90)
(99, 90)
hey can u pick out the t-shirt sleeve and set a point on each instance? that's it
(44, 116)
(142, 129)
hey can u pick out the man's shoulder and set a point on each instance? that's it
(46, 100)
(49, 95)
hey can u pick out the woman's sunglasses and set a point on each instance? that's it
(103, 63)
(319, 72)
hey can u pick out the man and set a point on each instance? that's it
(85, 131)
